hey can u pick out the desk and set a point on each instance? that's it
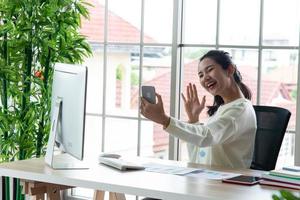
(140, 183)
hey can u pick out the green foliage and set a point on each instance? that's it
(119, 72)
(34, 34)
(285, 195)
(294, 94)
(134, 79)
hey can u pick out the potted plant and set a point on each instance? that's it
(34, 34)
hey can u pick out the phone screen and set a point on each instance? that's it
(148, 93)
(243, 179)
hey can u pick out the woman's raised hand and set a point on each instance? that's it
(192, 105)
(155, 112)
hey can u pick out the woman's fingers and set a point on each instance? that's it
(195, 91)
(203, 101)
(191, 90)
(188, 94)
(159, 99)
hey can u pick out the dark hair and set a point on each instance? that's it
(223, 59)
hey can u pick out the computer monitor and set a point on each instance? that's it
(67, 116)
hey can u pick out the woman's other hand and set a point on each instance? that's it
(192, 105)
(155, 112)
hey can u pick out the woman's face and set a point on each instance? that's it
(213, 77)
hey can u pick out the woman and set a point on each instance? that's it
(228, 135)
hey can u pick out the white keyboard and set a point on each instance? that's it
(119, 163)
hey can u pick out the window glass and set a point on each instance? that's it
(93, 30)
(95, 81)
(92, 137)
(156, 72)
(124, 21)
(158, 21)
(122, 79)
(200, 21)
(281, 23)
(239, 22)
(121, 136)
(279, 80)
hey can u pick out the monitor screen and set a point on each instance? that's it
(69, 87)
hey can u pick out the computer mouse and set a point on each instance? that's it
(110, 155)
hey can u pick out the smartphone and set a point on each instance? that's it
(148, 93)
(243, 179)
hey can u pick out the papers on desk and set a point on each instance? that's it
(212, 174)
(169, 169)
(191, 172)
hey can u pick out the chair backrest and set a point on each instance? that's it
(271, 127)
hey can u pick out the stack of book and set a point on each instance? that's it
(287, 177)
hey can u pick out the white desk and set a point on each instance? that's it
(140, 183)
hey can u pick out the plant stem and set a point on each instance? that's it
(5, 84)
(26, 91)
(42, 123)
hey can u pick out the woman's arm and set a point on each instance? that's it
(220, 129)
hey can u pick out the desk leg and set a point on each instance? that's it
(39, 189)
(116, 196)
(98, 195)
(33, 190)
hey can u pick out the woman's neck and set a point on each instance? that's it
(232, 94)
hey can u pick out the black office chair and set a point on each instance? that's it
(271, 126)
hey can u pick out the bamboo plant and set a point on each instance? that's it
(34, 34)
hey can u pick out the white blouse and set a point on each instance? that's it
(227, 137)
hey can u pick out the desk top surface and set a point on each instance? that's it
(140, 183)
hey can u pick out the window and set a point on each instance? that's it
(133, 46)
(264, 45)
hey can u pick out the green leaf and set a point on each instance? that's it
(45, 26)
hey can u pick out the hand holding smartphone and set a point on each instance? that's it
(148, 93)
(243, 180)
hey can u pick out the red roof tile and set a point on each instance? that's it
(119, 30)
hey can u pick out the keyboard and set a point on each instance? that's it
(120, 164)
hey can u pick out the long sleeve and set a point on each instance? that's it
(228, 136)
(220, 129)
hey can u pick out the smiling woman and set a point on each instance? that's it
(210, 64)
(229, 133)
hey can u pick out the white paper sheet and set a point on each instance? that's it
(169, 169)
(212, 174)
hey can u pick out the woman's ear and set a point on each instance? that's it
(230, 70)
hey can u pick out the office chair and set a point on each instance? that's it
(271, 126)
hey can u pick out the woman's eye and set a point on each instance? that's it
(210, 68)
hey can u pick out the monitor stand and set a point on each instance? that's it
(63, 160)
